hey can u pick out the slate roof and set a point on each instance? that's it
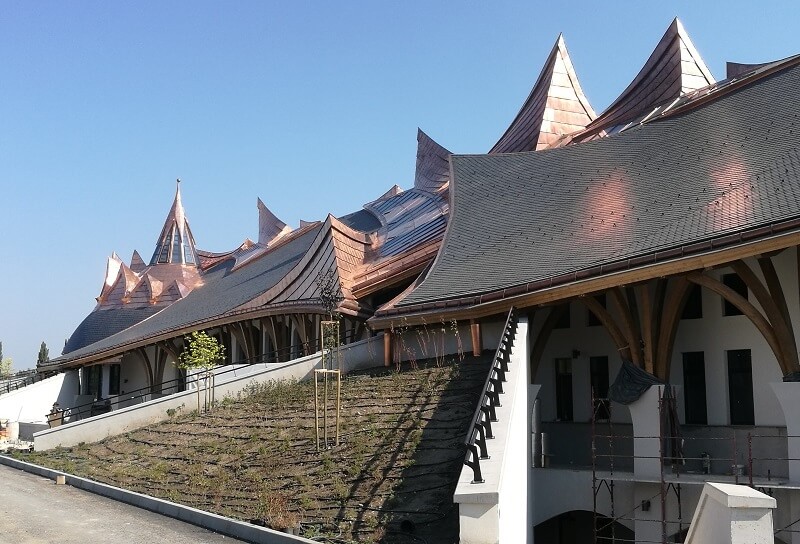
(221, 292)
(726, 165)
(103, 323)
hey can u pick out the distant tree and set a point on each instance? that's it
(6, 366)
(202, 353)
(44, 354)
(1, 351)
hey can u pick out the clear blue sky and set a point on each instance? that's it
(313, 106)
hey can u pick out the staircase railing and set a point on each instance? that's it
(22, 379)
(485, 414)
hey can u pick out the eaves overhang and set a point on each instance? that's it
(290, 307)
(704, 254)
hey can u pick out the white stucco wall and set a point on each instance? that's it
(492, 511)
(714, 335)
(32, 403)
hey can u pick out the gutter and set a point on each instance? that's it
(415, 312)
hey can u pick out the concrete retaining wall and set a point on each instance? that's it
(356, 356)
(33, 402)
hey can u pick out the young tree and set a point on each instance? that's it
(202, 353)
(6, 366)
(330, 292)
(44, 354)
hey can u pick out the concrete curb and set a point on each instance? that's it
(207, 520)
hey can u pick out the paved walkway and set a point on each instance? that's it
(33, 510)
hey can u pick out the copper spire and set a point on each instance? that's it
(673, 69)
(555, 106)
(176, 243)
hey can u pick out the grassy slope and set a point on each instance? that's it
(254, 458)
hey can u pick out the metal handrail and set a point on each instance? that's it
(481, 428)
(22, 379)
(271, 357)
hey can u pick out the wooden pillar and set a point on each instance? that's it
(475, 330)
(387, 347)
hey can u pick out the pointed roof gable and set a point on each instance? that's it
(555, 106)
(673, 69)
(269, 226)
(394, 191)
(112, 273)
(737, 69)
(176, 243)
(137, 263)
(433, 164)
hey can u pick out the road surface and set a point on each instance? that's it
(34, 510)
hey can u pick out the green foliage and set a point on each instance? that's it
(44, 354)
(6, 366)
(330, 335)
(202, 352)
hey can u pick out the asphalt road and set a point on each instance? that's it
(34, 510)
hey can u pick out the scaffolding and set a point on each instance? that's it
(752, 457)
(604, 482)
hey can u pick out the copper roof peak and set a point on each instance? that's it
(433, 164)
(270, 228)
(555, 106)
(175, 245)
(673, 68)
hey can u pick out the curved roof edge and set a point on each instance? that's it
(673, 69)
(433, 164)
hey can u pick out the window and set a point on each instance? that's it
(694, 388)
(176, 246)
(737, 284)
(564, 321)
(113, 380)
(740, 387)
(164, 256)
(564, 389)
(592, 320)
(91, 380)
(598, 377)
(694, 304)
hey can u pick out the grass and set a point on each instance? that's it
(254, 457)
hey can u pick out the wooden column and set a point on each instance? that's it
(475, 330)
(387, 347)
